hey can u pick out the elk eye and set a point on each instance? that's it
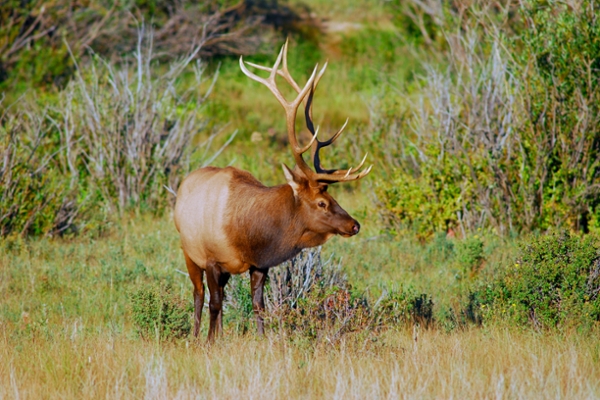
(322, 204)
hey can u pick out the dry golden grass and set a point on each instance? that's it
(474, 364)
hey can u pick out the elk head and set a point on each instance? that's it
(321, 212)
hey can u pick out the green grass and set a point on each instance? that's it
(84, 280)
(349, 10)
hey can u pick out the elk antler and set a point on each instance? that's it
(329, 175)
(291, 108)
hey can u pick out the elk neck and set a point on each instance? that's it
(265, 224)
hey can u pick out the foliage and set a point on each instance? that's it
(304, 273)
(555, 283)
(30, 42)
(237, 307)
(135, 127)
(311, 298)
(115, 136)
(507, 136)
(39, 194)
(562, 53)
(295, 291)
(469, 253)
(402, 307)
(36, 36)
(458, 163)
(158, 313)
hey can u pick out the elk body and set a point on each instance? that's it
(230, 223)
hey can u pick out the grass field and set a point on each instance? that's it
(67, 332)
(471, 364)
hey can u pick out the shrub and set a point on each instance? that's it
(238, 309)
(306, 272)
(562, 100)
(454, 168)
(508, 136)
(115, 136)
(311, 298)
(555, 283)
(134, 128)
(294, 291)
(159, 313)
(469, 253)
(402, 307)
(39, 194)
(33, 33)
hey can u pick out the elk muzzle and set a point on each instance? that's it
(350, 229)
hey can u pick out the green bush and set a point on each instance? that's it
(425, 204)
(562, 93)
(469, 253)
(506, 137)
(310, 298)
(159, 313)
(306, 295)
(39, 194)
(555, 283)
(322, 312)
(238, 310)
(112, 138)
(402, 307)
(134, 127)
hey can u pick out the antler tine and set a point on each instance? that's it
(272, 85)
(351, 170)
(336, 135)
(324, 175)
(308, 146)
(359, 166)
(318, 144)
(285, 73)
(290, 108)
(270, 81)
(338, 177)
(341, 175)
(309, 122)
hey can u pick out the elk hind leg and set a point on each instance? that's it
(197, 277)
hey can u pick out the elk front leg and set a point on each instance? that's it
(216, 279)
(197, 277)
(258, 278)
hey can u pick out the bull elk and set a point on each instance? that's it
(230, 223)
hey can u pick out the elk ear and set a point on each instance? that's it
(292, 179)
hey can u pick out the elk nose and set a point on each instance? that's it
(355, 228)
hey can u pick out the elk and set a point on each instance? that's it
(230, 223)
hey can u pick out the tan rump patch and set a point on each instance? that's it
(200, 214)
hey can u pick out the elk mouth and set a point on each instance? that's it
(346, 234)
